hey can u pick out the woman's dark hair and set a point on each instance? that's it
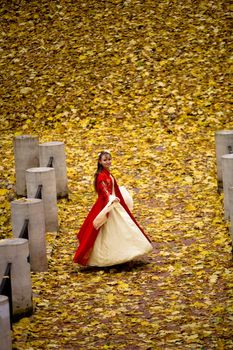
(99, 167)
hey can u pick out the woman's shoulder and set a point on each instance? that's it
(103, 175)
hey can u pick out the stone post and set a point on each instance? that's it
(56, 150)
(46, 177)
(5, 327)
(16, 252)
(227, 176)
(31, 209)
(26, 153)
(223, 145)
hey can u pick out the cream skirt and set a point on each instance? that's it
(119, 240)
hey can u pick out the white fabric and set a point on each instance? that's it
(119, 239)
(101, 218)
(127, 197)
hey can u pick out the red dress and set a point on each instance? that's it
(107, 188)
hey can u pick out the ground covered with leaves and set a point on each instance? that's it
(150, 81)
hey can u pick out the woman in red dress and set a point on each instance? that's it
(110, 234)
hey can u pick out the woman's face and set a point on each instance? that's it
(106, 161)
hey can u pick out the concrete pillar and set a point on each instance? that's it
(33, 210)
(5, 327)
(16, 252)
(56, 150)
(223, 145)
(26, 153)
(46, 177)
(227, 176)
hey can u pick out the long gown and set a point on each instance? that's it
(110, 234)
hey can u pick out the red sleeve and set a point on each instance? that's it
(102, 188)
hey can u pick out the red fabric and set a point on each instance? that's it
(87, 234)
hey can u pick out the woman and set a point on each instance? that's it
(110, 234)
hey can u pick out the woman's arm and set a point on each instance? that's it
(104, 190)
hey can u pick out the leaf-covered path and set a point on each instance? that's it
(148, 80)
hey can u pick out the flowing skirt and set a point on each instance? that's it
(119, 240)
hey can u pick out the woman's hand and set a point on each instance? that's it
(113, 199)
